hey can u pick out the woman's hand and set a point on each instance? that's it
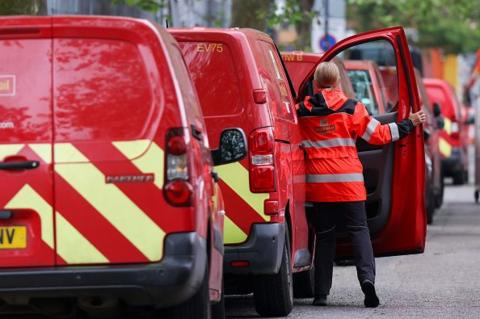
(418, 118)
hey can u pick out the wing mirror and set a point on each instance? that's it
(440, 122)
(426, 134)
(232, 148)
(437, 110)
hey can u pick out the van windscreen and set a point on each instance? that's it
(217, 81)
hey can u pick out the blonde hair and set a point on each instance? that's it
(327, 75)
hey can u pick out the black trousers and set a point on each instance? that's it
(326, 219)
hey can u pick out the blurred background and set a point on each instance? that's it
(444, 34)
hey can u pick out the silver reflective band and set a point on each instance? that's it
(394, 131)
(333, 142)
(372, 125)
(335, 178)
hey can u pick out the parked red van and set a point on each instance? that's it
(242, 83)
(108, 195)
(453, 142)
(394, 201)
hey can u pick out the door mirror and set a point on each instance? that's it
(437, 110)
(426, 134)
(232, 148)
(440, 122)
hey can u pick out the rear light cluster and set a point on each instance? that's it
(177, 190)
(262, 169)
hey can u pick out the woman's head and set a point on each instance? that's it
(326, 75)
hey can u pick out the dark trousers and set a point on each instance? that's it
(326, 218)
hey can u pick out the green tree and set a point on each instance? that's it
(451, 25)
(23, 7)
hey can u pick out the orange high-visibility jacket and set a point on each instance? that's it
(330, 124)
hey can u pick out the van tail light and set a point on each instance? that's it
(262, 168)
(177, 189)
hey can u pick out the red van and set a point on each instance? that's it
(242, 83)
(453, 142)
(108, 195)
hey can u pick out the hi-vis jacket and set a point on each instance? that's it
(331, 123)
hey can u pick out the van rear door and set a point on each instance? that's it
(395, 173)
(108, 104)
(26, 199)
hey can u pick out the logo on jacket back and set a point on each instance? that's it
(7, 85)
(325, 127)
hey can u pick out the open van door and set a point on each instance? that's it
(394, 174)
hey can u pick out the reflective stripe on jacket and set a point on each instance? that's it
(331, 124)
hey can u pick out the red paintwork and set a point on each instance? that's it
(405, 230)
(90, 81)
(226, 88)
(378, 87)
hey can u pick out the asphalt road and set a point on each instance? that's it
(444, 282)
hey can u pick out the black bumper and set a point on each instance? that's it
(453, 163)
(169, 282)
(263, 251)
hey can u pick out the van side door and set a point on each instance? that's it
(395, 173)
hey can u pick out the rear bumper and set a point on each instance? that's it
(453, 163)
(263, 251)
(169, 282)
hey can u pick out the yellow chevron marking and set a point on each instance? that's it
(445, 147)
(152, 161)
(44, 151)
(109, 201)
(236, 176)
(73, 247)
(447, 125)
(233, 233)
(27, 198)
(9, 149)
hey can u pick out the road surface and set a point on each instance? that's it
(444, 282)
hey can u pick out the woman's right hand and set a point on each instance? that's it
(418, 118)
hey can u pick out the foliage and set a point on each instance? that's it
(146, 5)
(451, 25)
(22, 7)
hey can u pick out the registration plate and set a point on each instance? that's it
(13, 237)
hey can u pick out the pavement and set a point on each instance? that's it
(444, 282)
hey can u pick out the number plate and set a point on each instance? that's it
(13, 237)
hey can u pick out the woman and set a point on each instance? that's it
(330, 124)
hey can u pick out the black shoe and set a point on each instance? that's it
(320, 301)
(371, 299)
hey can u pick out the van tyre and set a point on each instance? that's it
(304, 284)
(273, 294)
(441, 191)
(430, 204)
(197, 307)
(458, 178)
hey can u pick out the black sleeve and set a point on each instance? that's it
(405, 127)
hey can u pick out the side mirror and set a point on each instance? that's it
(426, 134)
(470, 120)
(437, 110)
(440, 122)
(232, 148)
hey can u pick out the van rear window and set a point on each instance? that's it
(217, 81)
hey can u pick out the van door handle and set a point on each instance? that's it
(17, 166)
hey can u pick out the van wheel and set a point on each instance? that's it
(197, 307)
(304, 284)
(439, 196)
(430, 204)
(458, 178)
(273, 294)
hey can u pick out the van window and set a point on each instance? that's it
(363, 87)
(273, 76)
(212, 69)
(102, 91)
